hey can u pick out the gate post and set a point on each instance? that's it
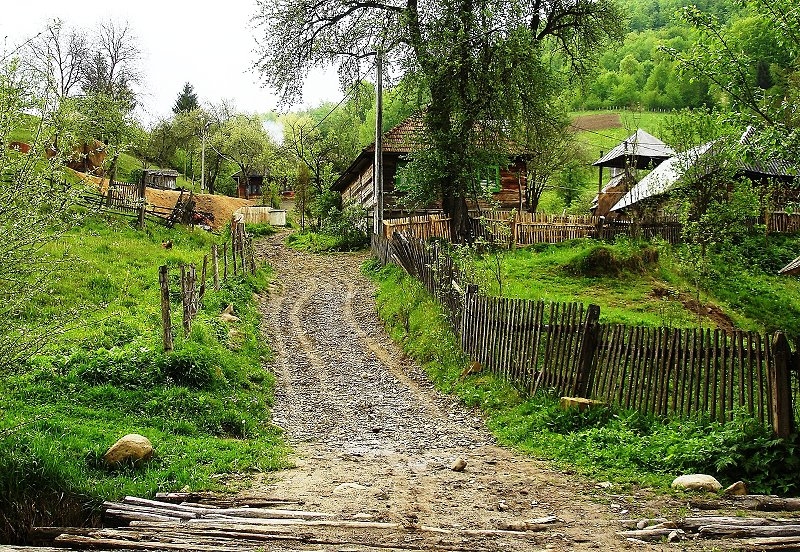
(781, 383)
(583, 374)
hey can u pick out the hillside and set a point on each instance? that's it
(103, 374)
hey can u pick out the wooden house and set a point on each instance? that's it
(507, 184)
(163, 179)
(250, 187)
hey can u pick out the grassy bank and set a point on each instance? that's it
(653, 284)
(604, 443)
(205, 406)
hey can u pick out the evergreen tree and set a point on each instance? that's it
(187, 100)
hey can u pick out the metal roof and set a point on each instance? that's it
(642, 147)
(663, 178)
(770, 168)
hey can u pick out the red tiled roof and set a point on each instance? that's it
(406, 137)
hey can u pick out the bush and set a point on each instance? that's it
(612, 260)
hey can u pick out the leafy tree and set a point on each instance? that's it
(548, 146)
(730, 56)
(480, 62)
(187, 100)
(243, 141)
(35, 209)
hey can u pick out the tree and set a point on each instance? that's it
(56, 58)
(548, 146)
(480, 62)
(732, 58)
(187, 100)
(112, 69)
(243, 141)
(34, 210)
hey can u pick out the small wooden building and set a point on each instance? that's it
(163, 179)
(639, 151)
(250, 187)
(507, 184)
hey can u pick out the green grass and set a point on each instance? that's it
(205, 407)
(603, 443)
(642, 284)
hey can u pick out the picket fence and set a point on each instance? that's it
(563, 348)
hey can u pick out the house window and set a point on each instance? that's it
(399, 174)
(489, 180)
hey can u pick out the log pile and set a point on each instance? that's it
(755, 533)
(204, 522)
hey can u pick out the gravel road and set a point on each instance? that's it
(374, 441)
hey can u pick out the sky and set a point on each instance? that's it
(209, 45)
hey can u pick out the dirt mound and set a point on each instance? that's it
(221, 207)
(598, 121)
(709, 311)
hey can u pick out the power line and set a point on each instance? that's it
(345, 97)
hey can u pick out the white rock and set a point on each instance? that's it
(697, 482)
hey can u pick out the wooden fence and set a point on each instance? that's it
(563, 348)
(522, 228)
(128, 200)
(242, 261)
(783, 223)
(530, 228)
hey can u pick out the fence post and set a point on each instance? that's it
(215, 265)
(203, 278)
(163, 280)
(225, 262)
(583, 374)
(780, 380)
(234, 229)
(142, 203)
(187, 297)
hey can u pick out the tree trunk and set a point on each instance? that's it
(455, 207)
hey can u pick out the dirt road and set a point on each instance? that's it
(375, 442)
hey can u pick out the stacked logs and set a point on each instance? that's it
(756, 532)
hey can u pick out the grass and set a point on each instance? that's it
(603, 443)
(205, 406)
(645, 284)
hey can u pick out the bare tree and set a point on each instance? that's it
(113, 67)
(56, 58)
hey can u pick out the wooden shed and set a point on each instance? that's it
(163, 179)
(250, 187)
(355, 183)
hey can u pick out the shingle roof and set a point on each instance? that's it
(646, 149)
(405, 137)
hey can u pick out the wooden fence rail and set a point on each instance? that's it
(563, 348)
(522, 228)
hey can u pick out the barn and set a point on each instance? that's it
(355, 183)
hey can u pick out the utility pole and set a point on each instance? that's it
(377, 169)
